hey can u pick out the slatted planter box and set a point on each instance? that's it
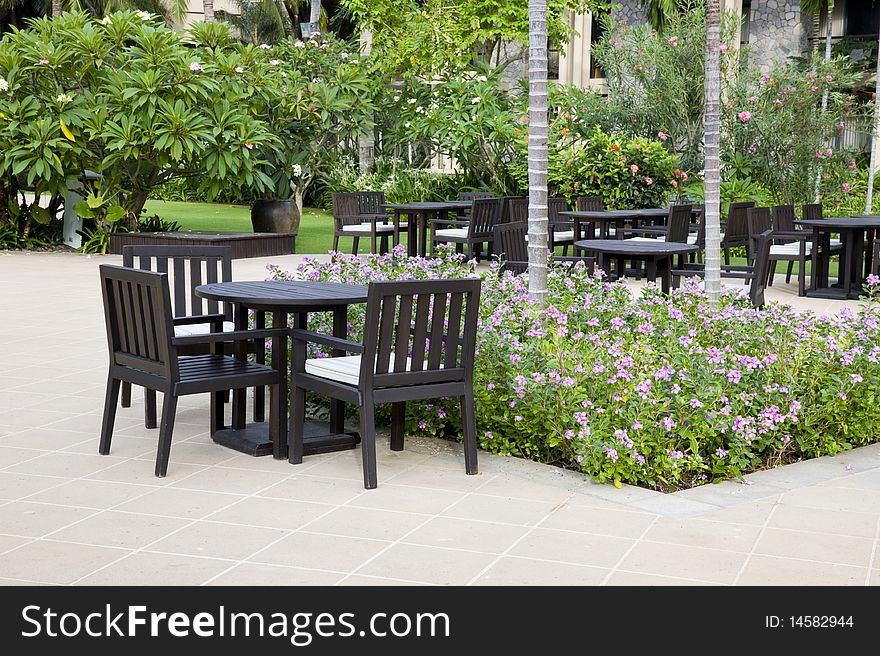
(244, 244)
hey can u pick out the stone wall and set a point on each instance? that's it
(778, 30)
(632, 12)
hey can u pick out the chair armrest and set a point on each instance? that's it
(232, 336)
(199, 318)
(457, 222)
(299, 334)
(802, 235)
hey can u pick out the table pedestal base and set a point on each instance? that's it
(253, 440)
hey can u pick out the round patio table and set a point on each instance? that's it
(856, 233)
(284, 298)
(656, 255)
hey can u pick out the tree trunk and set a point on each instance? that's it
(869, 199)
(828, 17)
(208, 7)
(366, 142)
(712, 150)
(56, 8)
(537, 152)
(315, 15)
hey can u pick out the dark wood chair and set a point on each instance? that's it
(783, 248)
(187, 268)
(471, 234)
(677, 229)
(419, 343)
(144, 351)
(811, 211)
(474, 195)
(589, 204)
(512, 249)
(736, 228)
(561, 228)
(785, 231)
(349, 221)
(755, 273)
(515, 208)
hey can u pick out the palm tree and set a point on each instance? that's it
(537, 157)
(712, 151)
(208, 9)
(315, 16)
(814, 7)
(869, 199)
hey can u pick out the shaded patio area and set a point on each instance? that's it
(70, 516)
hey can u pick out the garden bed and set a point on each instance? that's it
(244, 244)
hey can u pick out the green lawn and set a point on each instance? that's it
(315, 230)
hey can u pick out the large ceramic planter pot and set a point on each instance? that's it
(275, 216)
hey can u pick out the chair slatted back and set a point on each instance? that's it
(811, 211)
(759, 221)
(555, 205)
(370, 202)
(345, 208)
(485, 215)
(679, 224)
(137, 313)
(517, 209)
(736, 230)
(187, 267)
(474, 195)
(589, 204)
(762, 243)
(420, 331)
(784, 218)
(511, 246)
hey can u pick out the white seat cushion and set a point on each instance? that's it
(836, 243)
(365, 228)
(790, 249)
(659, 238)
(565, 235)
(460, 233)
(346, 369)
(200, 329)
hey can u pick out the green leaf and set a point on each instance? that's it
(41, 214)
(114, 213)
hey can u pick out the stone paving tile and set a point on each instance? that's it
(325, 552)
(711, 565)
(38, 519)
(271, 513)
(335, 491)
(250, 574)
(833, 498)
(56, 562)
(770, 570)
(753, 512)
(18, 486)
(621, 578)
(571, 547)
(427, 564)
(452, 533)
(839, 522)
(187, 504)
(510, 570)
(12, 456)
(700, 533)
(144, 568)
(356, 580)
(86, 493)
(602, 521)
(70, 465)
(236, 481)
(119, 529)
(839, 549)
(367, 523)
(10, 542)
(500, 509)
(405, 498)
(218, 540)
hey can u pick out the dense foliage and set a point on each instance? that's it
(658, 391)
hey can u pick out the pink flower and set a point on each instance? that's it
(662, 136)
(744, 116)
(753, 148)
(729, 105)
(818, 154)
(752, 100)
(723, 48)
(648, 181)
(765, 79)
(675, 184)
(684, 176)
(829, 153)
(673, 41)
(777, 103)
(846, 187)
(44, 61)
(814, 88)
(829, 79)
(196, 66)
(634, 169)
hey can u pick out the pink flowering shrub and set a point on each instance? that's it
(665, 392)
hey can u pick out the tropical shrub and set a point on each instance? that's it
(625, 173)
(660, 391)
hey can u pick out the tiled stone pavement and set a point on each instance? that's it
(70, 516)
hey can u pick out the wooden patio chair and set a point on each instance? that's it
(144, 351)
(512, 249)
(735, 231)
(470, 235)
(785, 231)
(782, 248)
(419, 343)
(349, 221)
(561, 228)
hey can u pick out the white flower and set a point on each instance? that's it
(419, 110)
(355, 61)
(283, 74)
(476, 100)
(144, 15)
(106, 20)
(64, 98)
(264, 46)
(297, 170)
(407, 124)
(239, 69)
(196, 66)
(396, 98)
(343, 56)
(412, 101)
(274, 62)
(300, 44)
(482, 78)
(4, 85)
(249, 146)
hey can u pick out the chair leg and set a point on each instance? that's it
(110, 400)
(335, 242)
(469, 431)
(773, 273)
(802, 278)
(217, 419)
(373, 248)
(296, 429)
(126, 395)
(788, 272)
(398, 416)
(169, 410)
(727, 256)
(368, 443)
(149, 408)
(354, 245)
(383, 244)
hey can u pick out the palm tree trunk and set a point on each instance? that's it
(56, 8)
(869, 199)
(828, 17)
(537, 155)
(366, 142)
(712, 151)
(208, 8)
(315, 15)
